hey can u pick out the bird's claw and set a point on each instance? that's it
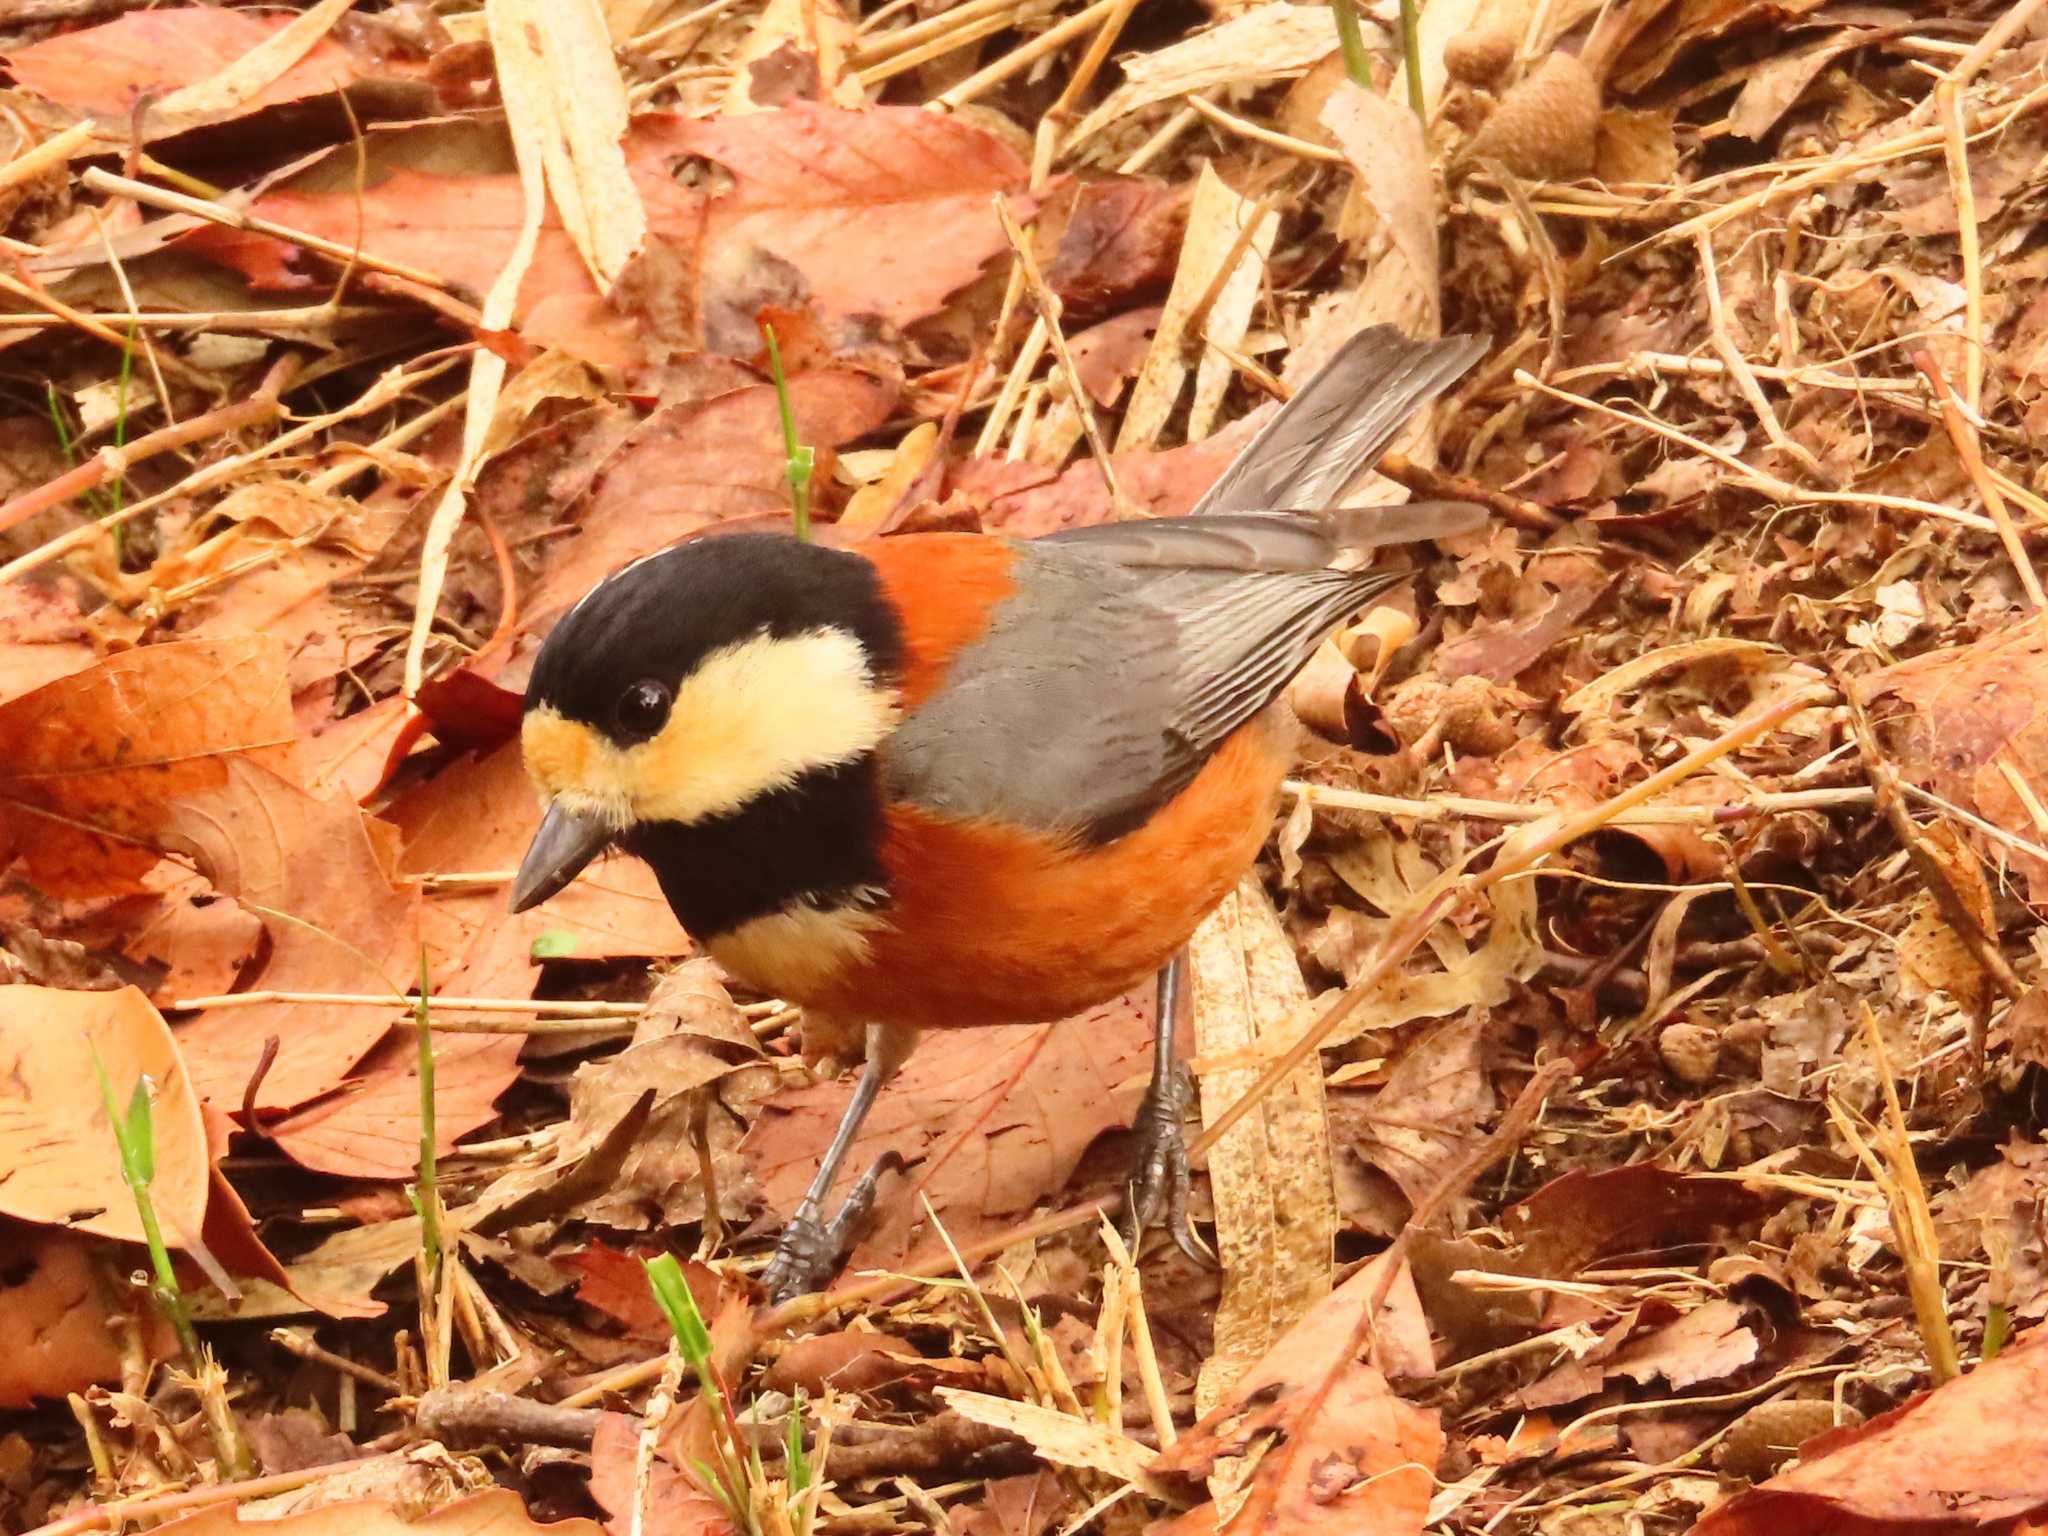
(1158, 1186)
(810, 1250)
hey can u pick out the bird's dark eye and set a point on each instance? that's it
(643, 708)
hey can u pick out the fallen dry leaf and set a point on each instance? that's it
(676, 1504)
(1967, 1456)
(369, 1128)
(494, 1512)
(1975, 732)
(114, 71)
(1341, 1452)
(988, 1121)
(56, 1308)
(881, 213)
(55, 1139)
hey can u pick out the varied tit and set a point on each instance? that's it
(945, 780)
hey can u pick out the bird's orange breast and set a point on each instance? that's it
(996, 924)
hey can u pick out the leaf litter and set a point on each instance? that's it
(1663, 873)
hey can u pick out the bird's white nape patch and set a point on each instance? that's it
(793, 952)
(751, 719)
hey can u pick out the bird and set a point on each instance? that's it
(949, 779)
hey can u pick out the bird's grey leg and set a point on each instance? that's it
(811, 1247)
(1159, 1159)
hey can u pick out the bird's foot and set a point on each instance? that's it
(810, 1251)
(1157, 1193)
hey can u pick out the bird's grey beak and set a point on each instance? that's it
(566, 841)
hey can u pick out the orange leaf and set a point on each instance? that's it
(64, 1166)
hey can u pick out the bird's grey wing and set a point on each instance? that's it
(1265, 541)
(1339, 421)
(1100, 690)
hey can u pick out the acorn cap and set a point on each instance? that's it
(1547, 125)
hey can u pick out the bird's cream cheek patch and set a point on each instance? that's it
(754, 718)
(751, 719)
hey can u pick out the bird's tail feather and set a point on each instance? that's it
(1338, 422)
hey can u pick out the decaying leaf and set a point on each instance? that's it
(1966, 1457)
(1328, 1445)
(988, 1121)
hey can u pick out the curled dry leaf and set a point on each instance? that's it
(989, 1121)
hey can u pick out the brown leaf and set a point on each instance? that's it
(1975, 732)
(1968, 1456)
(1351, 1456)
(62, 1331)
(989, 1121)
(881, 213)
(88, 763)
(676, 1505)
(186, 749)
(64, 1166)
(369, 1128)
(1707, 1344)
(110, 70)
(479, 814)
(1432, 1110)
(319, 874)
(1635, 1209)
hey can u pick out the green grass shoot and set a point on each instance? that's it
(1411, 58)
(1352, 42)
(135, 1135)
(801, 457)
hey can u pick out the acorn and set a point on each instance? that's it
(1480, 57)
(1548, 124)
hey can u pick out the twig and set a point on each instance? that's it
(1963, 434)
(1300, 148)
(1954, 910)
(1047, 303)
(1445, 807)
(1948, 96)
(1429, 481)
(1738, 365)
(107, 183)
(982, 81)
(1760, 481)
(111, 462)
(304, 1346)
(391, 386)
(1405, 935)
(54, 151)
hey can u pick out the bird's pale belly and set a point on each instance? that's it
(991, 925)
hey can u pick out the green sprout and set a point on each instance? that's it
(801, 457)
(1352, 41)
(739, 1466)
(135, 1135)
(1411, 53)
